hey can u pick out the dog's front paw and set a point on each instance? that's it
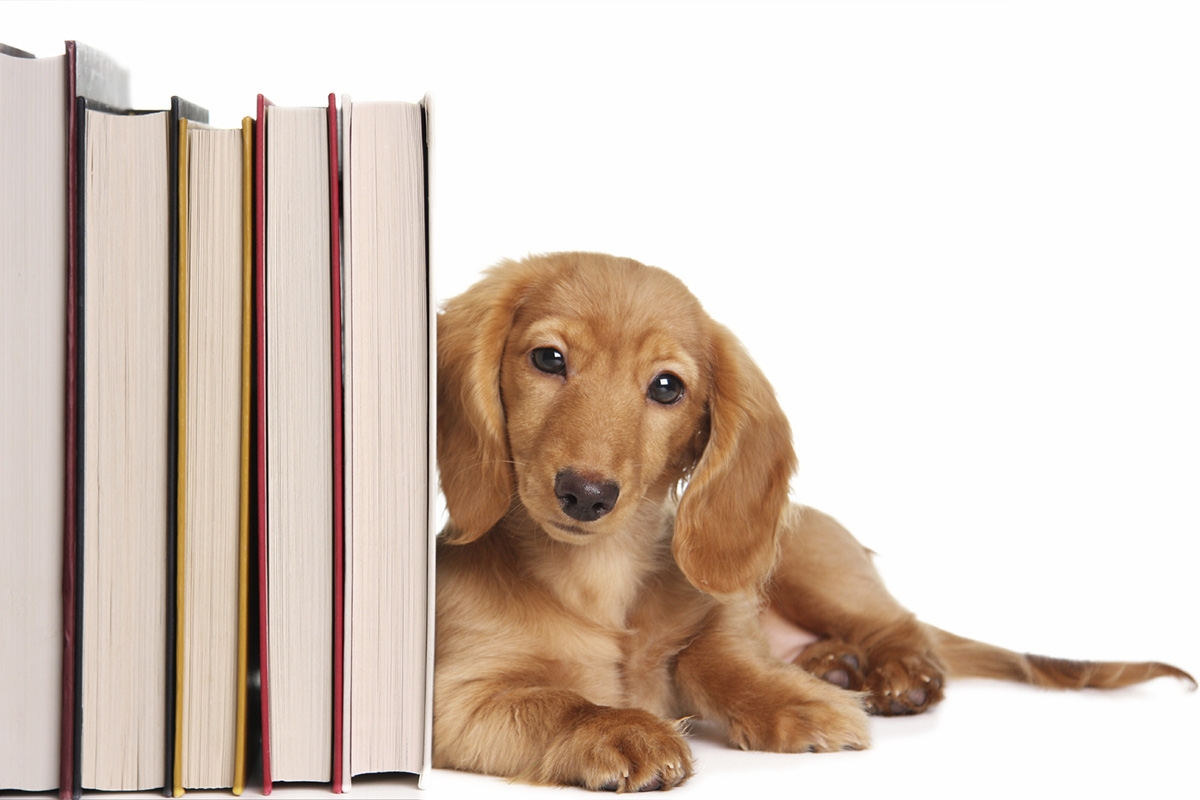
(825, 720)
(900, 683)
(619, 749)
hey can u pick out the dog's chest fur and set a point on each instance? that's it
(621, 611)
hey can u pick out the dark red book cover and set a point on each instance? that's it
(339, 587)
(68, 769)
(260, 269)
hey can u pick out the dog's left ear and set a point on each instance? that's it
(727, 525)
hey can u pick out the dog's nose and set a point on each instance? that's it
(585, 499)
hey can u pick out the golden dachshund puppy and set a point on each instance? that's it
(616, 470)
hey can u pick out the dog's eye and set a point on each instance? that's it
(665, 389)
(549, 360)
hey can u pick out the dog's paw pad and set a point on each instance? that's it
(901, 686)
(834, 662)
(842, 672)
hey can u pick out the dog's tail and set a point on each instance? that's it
(966, 658)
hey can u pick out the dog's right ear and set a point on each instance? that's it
(472, 448)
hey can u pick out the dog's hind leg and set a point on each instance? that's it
(827, 584)
(729, 678)
(865, 640)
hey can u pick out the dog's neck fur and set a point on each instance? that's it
(600, 580)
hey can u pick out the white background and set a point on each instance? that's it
(962, 239)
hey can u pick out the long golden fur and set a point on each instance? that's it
(616, 470)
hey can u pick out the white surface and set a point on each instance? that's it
(986, 741)
(961, 239)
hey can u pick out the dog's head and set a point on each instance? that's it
(583, 386)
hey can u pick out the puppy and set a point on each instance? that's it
(616, 470)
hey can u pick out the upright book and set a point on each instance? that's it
(91, 76)
(388, 314)
(36, 488)
(214, 302)
(33, 271)
(125, 618)
(299, 480)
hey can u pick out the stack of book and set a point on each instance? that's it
(216, 437)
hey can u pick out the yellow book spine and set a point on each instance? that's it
(239, 758)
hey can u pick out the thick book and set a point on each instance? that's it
(388, 314)
(124, 627)
(92, 76)
(298, 371)
(213, 300)
(37, 557)
(33, 272)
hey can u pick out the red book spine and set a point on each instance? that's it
(339, 589)
(68, 774)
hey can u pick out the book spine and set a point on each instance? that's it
(70, 772)
(335, 294)
(247, 470)
(260, 367)
(181, 110)
(177, 493)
